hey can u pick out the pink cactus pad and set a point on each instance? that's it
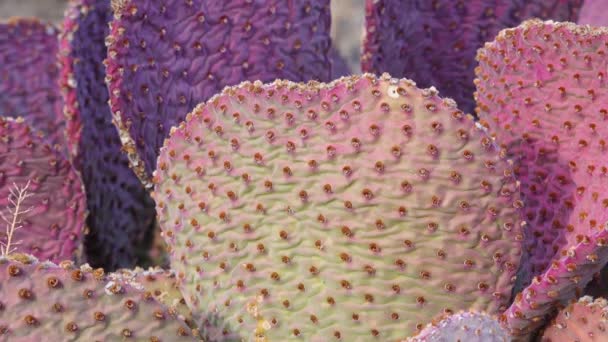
(434, 42)
(541, 92)
(165, 58)
(582, 321)
(54, 226)
(356, 210)
(465, 327)
(29, 76)
(46, 302)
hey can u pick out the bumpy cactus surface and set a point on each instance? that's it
(541, 93)
(166, 58)
(434, 42)
(121, 213)
(584, 321)
(463, 326)
(53, 222)
(29, 75)
(46, 302)
(357, 209)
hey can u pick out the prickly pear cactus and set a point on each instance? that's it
(29, 76)
(585, 321)
(46, 302)
(52, 214)
(463, 326)
(121, 217)
(358, 209)
(541, 92)
(434, 42)
(165, 58)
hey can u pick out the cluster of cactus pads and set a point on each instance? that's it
(358, 208)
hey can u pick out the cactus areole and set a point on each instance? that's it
(356, 209)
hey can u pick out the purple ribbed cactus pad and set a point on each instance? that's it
(541, 92)
(53, 227)
(121, 213)
(434, 42)
(164, 58)
(29, 76)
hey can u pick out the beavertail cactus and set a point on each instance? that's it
(584, 321)
(46, 302)
(29, 76)
(352, 210)
(463, 326)
(541, 93)
(165, 58)
(52, 217)
(121, 213)
(434, 42)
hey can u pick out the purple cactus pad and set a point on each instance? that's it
(121, 213)
(29, 76)
(434, 42)
(164, 59)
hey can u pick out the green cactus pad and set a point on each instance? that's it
(355, 210)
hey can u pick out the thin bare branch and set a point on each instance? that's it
(15, 209)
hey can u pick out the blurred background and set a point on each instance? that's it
(347, 24)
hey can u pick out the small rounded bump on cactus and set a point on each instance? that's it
(53, 212)
(593, 13)
(434, 42)
(163, 59)
(539, 90)
(354, 210)
(585, 320)
(121, 217)
(463, 326)
(29, 75)
(47, 302)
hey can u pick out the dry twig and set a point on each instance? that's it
(14, 221)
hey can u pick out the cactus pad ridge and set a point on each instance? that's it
(48, 302)
(351, 210)
(121, 217)
(434, 42)
(54, 225)
(540, 91)
(163, 59)
(463, 326)
(29, 76)
(585, 320)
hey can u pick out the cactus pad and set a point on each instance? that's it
(53, 227)
(29, 76)
(46, 302)
(356, 209)
(121, 213)
(434, 42)
(166, 58)
(541, 93)
(463, 326)
(585, 321)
